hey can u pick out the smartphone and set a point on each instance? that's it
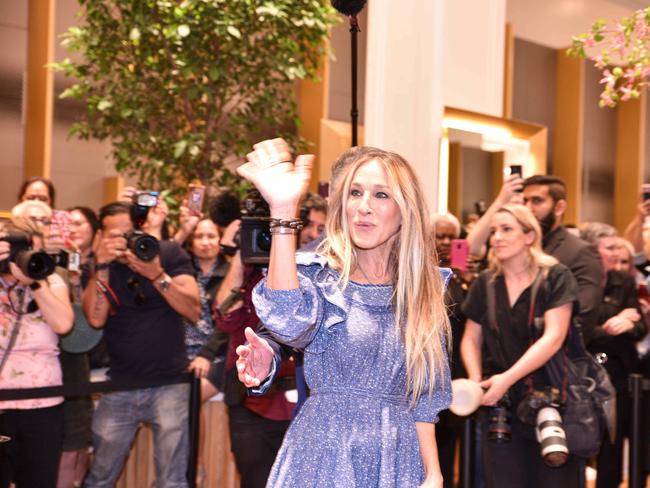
(195, 197)
(515, 169)
(459, 254)
(645, 190)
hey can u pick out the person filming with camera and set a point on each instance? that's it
(139, 292)
(500, 316)
(35, 307)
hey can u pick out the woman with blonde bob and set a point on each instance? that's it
(367, 308)
(515, 360)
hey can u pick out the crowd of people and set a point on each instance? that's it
(361, 305)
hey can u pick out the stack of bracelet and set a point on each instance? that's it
(285, 226)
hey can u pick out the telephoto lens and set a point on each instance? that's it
(143, 245)
(38, 265)
(551, 437)
(499, 429)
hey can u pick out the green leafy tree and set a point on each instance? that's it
(183, 87)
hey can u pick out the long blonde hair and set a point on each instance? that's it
(538, 259)
(418, 301)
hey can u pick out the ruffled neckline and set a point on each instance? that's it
(326, 281)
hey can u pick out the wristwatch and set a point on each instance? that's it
(164, 282)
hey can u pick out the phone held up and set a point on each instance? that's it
(459, 254)
(514, 169)
(195, 197)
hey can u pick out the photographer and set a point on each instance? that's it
(257, 423)
(140, 302)
(514, 361)
(33, 313)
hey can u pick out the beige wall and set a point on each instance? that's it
(78, 167)
(13, 54)
(474, 43)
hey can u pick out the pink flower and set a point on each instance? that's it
(608, 78)
(599, 61)
(627, 93)
(606, 100)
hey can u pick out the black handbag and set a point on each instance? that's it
(587, 396)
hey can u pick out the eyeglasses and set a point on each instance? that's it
(133, 284)
(41, 220)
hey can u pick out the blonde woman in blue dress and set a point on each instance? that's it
(367, 308)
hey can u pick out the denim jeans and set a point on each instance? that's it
(116, 422)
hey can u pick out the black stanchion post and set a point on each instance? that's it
(634, 461)
(467, 453)
(194, 419)
(354, 112)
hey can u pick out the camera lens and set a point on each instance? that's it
(263, 240)
(551, 437)
(144, 246)
(499, 429)
(35, 264)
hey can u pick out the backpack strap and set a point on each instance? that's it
(494, 346)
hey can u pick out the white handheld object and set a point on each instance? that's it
(467, 396)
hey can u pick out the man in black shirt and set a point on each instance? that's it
(140, 304)
(545, 196)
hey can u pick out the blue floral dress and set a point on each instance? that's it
(357, 428)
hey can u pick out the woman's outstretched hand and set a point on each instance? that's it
(254, 361)
(281, 183)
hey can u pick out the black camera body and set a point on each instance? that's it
(70, 260)
(37, 265)
(255, 234)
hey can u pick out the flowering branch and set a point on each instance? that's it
(628, 43)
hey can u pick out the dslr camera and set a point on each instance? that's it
(541, 408)
(255, 234)
(37, 265)
(499, 428)
(143, 245)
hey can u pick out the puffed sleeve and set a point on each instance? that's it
(428, 407)
(291, 316)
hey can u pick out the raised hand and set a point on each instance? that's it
(200, 366)
(281, 183)
(511, 189)
(255, 359)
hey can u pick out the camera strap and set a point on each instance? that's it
(496, 347)
(109, 294)
(14, 331)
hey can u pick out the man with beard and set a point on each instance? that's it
(545, 196)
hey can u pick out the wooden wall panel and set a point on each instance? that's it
(569, 124)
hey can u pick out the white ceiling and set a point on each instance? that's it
(552, 23)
